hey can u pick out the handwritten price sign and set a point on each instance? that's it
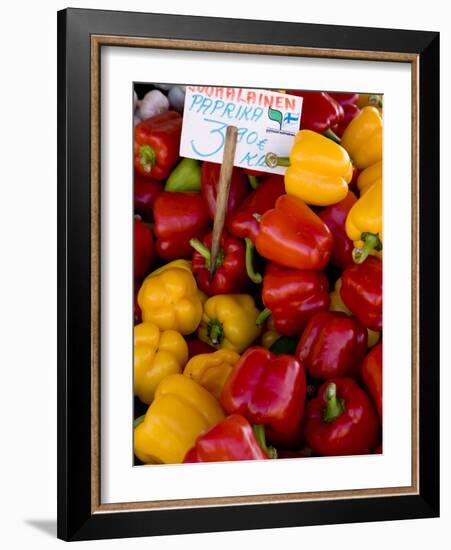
(266, 121)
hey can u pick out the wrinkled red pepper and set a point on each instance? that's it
(372, 376)
(239, 187)
(334, 216)
(332, 345)
(230, 439)
(348, 102)
(361, 291)
(178, 217)
(244, 222)
(320, 112)
(341, 420)
(143, 248)
(156, 145)
(292, 235)
(230, 272)
(145, 192)
(268, 389)
(292, 297)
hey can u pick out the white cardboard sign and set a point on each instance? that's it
(267, 121)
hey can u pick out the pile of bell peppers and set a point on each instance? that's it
(276, 350)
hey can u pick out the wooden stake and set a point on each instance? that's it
(222, 199)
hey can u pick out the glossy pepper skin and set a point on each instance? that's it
(239, 187)
(145, 192)
(156, 145)
(372, 376)
(228, 322)
(292, 235)
(230, 274)
(334, 216)
(341, 420)
(179, 217)
(293, 296)
(368, 177)
(348, 102)
(230, 439)
(332, 345)
(156, 354)
(143, 249)
(180, 412)
(211, 370)
(364, 223)
(319, 169)
(244, 221)
(362, 139)
(170, 299)
(361, 291)
(268, 389)
(320, 112)
(185, 176)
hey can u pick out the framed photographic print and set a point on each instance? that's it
(241, 345)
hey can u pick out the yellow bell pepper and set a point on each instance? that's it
(362, 139)
(181, 264)
(319, 169)
(156, 355)
(181, 411)
(337, 304)
(229, 322)
(368, 177)
(211, 370)
(170, 299)
(364, 224)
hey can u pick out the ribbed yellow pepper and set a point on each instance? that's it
(156, 355)
(319, 170)
(181, 411)
(369, 177)
(362, 139)
(211, 370)
(170, 299)
(364, 224)
(337, 304)
(229, 322)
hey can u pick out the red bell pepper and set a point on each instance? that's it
(145, 191)
(230, 275)
(320, 112)
(332, 345)
(292, 297)
(239, 187)
(292, 235)
(361, 292)
(268, 389)
(197, 347)
(372, 376)
(230, 439)
(143, 248)
(244, 222)
(178, 217)
(157, 143)
(348, 102)
(341, 420)
(334, 216)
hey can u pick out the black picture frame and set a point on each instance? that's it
(76, 520)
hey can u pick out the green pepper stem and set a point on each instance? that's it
(329, 133)
(215, 332)
(147, 157)
(138, 420)
(272, 160)
(376, 100)
(259, 432)
(252, 274)
(263, 316)
(204, 251)
(334, 405)
(371, 242)
(253, 181)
